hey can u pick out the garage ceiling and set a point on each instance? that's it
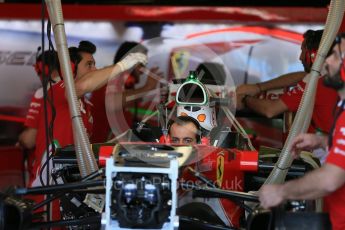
(303, 3)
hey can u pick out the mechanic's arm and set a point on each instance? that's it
(98, 78)
(265, 107)
(27, 138)
(315, 184)
(153, 77)
(282, 81)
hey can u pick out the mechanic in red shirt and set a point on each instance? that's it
(329, 180)
(87, 79)
(122, 88)
(325, 100)
(27, 137)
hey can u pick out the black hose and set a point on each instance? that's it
(220, 193)
(200, 224)
(78, 222)
(59, 188)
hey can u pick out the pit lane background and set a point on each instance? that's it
(252, 53)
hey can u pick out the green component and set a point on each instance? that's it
(192, 76)
(141, 111)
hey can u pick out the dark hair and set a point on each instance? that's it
(128, 47)
(184, 120)
(74, 52)
(50, 58)
(312, 39)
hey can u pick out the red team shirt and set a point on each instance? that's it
(325, 101)
(101, 126)
(32, 117)
(120, 117)
(62, 131)
(335, 202)
(32, 121)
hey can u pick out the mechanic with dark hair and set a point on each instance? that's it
(27, 137)
(82, 59)
(329, 180)
(51, 72)
(87, 79)
(311, 41)
(325, 99)
(124, 93)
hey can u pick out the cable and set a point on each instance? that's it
(221, 193)
(93, 175)
(200, 224)
(89, 177)
(59, 188)
(46, 201)
(44, 84)
(78, 222)
(50, 100)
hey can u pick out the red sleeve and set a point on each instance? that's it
(293, 97)
(336, 154)
(32, 116)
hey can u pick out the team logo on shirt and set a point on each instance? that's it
(296, 89)
(341, 141)
(342, 130)
(339, 151)
(35, 104)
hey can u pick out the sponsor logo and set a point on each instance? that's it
(17, 57)
(341, 141)
(342, 130)
(180, 62)
(339, 151)
(220, 168)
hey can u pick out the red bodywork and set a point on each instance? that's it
(225, 167)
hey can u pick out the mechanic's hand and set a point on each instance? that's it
(248, 89)
(239, 101)
(271, 195)
(132, 60)
(307, 142)
(153, 77)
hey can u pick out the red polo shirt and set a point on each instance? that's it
(325, 102)
(32, 116)
(62, 131)
(335, 202)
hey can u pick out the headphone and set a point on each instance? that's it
(310, 56)
(40, 69)
(75, 59)
(130, 82)
(51, 62)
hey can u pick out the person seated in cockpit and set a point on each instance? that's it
(184, 130)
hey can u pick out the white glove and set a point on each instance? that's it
(131, 60)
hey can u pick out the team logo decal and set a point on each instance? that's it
(220, 168)
(180, 62)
